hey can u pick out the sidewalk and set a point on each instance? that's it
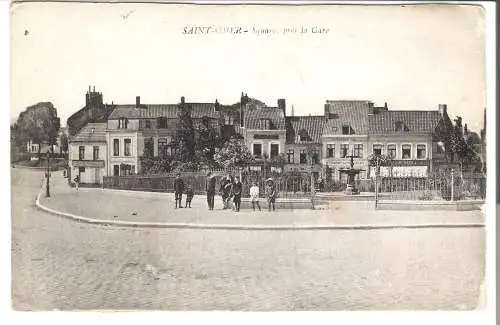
(158, 209)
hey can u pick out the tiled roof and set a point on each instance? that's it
(253, 116)
(311, 126)
(414, 121)
(92, 132)
(198, 110)
(347, 112)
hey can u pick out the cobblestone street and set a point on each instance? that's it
(61, 264)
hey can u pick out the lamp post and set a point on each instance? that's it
(47, 183)
(311, 153)
(377, 173)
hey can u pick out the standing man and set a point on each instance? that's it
(270, 193)
(237, 189)
(210, 188)
(178, 189)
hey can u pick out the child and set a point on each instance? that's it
(254, 196)
(77, 181)
(189, 196)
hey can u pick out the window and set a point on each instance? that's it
(291, 156)
(346, 129)
(81, 153)
(406, 151)
(333, 116)
(391, 151)
(303, 156)
(123, 123)
(147, 124)
(161, 122)
(275, 150)
(96, 153)
(400, 126)
(116, 170)
(421, 151)
(377, 149)
(127, 169)
(330, 150)
(358, 151)
(127, 144)
(265, 124)
(257, 149)
(116, 147)
(344, 150)
(81, 169)
(315, 156)
(229, 120)
(163, 147)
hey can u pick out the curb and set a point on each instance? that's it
(243, 227)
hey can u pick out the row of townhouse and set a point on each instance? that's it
(348, 128)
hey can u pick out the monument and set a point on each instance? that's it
(351, 173)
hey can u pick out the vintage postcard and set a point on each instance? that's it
(232, 157)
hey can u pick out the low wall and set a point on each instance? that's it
(466, 205)
(285, 204)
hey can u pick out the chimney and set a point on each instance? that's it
(183, 100)
(216, 105)
(385, 106)
(442, 109)
(371, 109)
(282, 105)
(137, 101)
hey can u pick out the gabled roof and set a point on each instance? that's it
(414, 121)
(198, 110)
(311, 126)
(276, 115)
(353, 113)
(92, 132)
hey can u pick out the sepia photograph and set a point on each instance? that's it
(248, 157)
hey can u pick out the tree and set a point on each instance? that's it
(234, 153)
(64, 143)
(185, 136)
(207, 141)
(40, 124)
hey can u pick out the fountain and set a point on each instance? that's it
(351, 172)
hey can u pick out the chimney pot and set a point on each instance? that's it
(183, 100)
(443, 109)
(137, 101)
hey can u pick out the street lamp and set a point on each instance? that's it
(47, 175)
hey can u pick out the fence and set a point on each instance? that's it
(287, 185)
(446, 186)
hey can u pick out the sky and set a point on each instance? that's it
(412, 57)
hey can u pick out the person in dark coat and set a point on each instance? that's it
(210, 188)
(228, 193)
(270, 193)
(178, 190)
(189, 196)
(237, 189)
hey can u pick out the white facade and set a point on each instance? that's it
(88, 160)
(124, 148)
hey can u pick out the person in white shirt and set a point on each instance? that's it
(254, 196)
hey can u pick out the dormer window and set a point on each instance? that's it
(161, 122)
(399, 126)
(304, 136)
(123, 123)
(265, 124)
(346, 129)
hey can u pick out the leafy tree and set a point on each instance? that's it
(185, 136)
(64, 143)
(207, 141)
(40, 124)
(234, 153)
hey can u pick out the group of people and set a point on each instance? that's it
(230, 190)
(179, 190)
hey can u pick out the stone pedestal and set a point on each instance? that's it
(351, 190)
